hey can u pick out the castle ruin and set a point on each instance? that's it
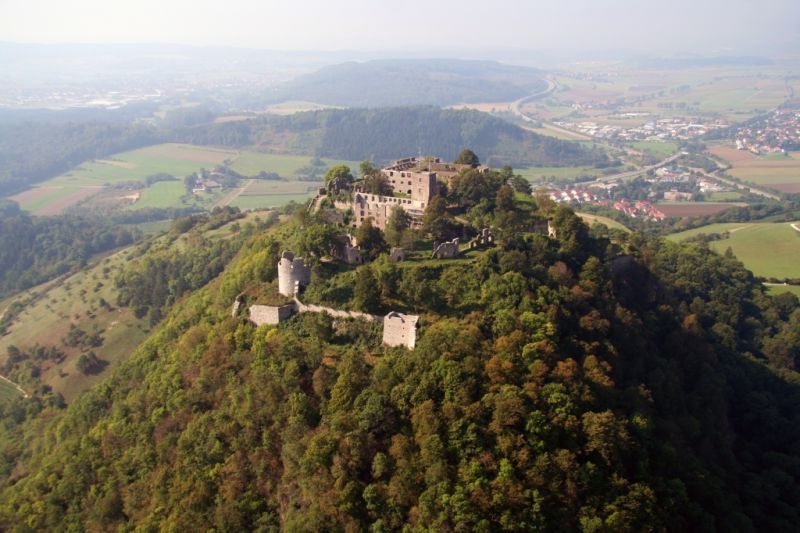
(445, 250)
(400, 330)
(292, 274)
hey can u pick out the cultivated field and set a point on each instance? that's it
(693, 209)
(180, 160)
(538, 174)
(780, 172)
(658, 149)
(250, 163)
(604, 92)
(767, 249)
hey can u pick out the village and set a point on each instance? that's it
(671, 184)
(663, 129)
(777, 133)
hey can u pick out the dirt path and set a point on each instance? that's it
(734, 230)
(20, 389)
(231, 196)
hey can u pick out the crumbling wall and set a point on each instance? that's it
(400, 330)
(445, 250)
(270, 314)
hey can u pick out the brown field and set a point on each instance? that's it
(730, 154)
(789, 188)
(32, 195)
(58, 207)
(116, 163)
(693, 209)
(231, 118)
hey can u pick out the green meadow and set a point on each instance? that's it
(767, 249)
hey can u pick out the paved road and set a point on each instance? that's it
(631, 173)
(737, 185)
(517, 104)
(516, 108)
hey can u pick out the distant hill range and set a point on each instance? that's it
(396, 82)
(388, 133)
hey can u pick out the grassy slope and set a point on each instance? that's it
(74, 300)
(591, 219)
(769, 250)
(775, 290)
(7, 391)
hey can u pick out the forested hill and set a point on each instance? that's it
(37, 249)
(383, 134)
(557, 384)
(393, 82)
(36, 147)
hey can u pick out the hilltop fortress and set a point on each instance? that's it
(414, 182)
(398, 329)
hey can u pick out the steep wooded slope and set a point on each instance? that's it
(569, 384)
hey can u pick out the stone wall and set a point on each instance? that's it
(445, 250)
(400, 330)
(270, 314)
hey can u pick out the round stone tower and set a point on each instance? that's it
(292, 274)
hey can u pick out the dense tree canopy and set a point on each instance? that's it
(566, 384)
(36, 249)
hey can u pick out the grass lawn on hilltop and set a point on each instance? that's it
(767, 249)
(591, 219)
(8, 391)
(536, 174)
(775, 290)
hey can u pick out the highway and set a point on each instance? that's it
(737, 185)
(631, 173)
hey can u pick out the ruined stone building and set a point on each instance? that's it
(445, 250)
(292, 274)
(379, 209)
(407, 177)
(400, 330)
(397, 254)
(484, 238)
(346, 250)
(270, 314)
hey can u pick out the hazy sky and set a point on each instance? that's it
(704, 26)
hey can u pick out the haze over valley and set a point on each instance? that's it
(461, 266)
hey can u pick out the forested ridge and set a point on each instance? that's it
(589, 382)
(32, 151)
(382, 134)
(37, 249)
(393, 82)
